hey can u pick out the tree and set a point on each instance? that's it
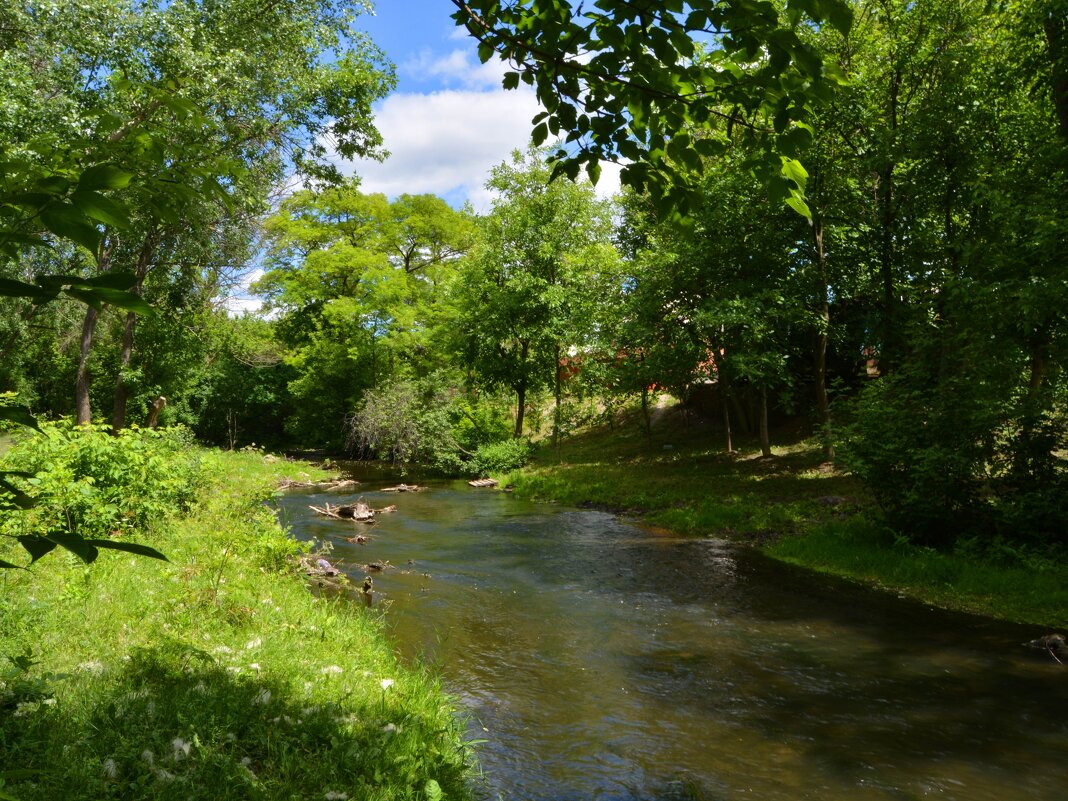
(233, 93)
(524, 292)
(640, 83)
(358, 278)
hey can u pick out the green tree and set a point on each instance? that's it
(526, 288)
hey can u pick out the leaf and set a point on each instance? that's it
(129, 547)
(116, 280)
(433, 790)
(510, 80)
(6, 564)
(104, 176)
(65, 221)
(36, 546)
(99, 208)
(17, 289)
(795, 171)
(116, 297)
(796, 203)
(20, 415)
(77, 545)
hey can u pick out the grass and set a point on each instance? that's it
(216, 675)
(795, 506)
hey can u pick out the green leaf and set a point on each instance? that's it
(433, 790)
(104, 176)
(36, 546)
(593, 169)
(795, 171)
(99, 208)
(20, 415)
(117, 280)
(6, 564)
(65, 221)
(511, 80)
(129, 547)
(17, 289)
(796, 203)
(98, 296)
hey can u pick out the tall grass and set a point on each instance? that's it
(215, 675)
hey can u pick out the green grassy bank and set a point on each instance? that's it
(795, 506)
(214, 675)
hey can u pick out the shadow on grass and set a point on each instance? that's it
(175, 724)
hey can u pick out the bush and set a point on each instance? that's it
(88, 483)
(501, 457)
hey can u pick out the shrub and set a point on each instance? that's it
(501, 457)
(88, 483)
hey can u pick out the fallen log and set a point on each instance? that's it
(324, 486)
(404, 488)
(483, 482)
(359, 511)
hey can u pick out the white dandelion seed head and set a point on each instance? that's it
(180, 748)
(256, 643)
(332, 670)
(263, 698)
(386, 683)
(110, 769)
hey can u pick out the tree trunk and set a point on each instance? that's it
(822, 404)
(83, 411)
(765, 440)
(647, 418)
(521, 404)
(122, 393)
(1056, 29)
(726, 416)
(557, 394)
(889, 352)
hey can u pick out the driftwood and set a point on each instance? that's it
(333, 484)
(404, 488)
(483, 482)
(359, 511)
(385, 510)
(325, 573)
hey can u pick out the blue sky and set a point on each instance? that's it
(449, 121)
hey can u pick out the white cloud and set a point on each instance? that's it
(458, 68)
(446, 142)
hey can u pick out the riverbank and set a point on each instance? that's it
(794, 506)
(214, 675)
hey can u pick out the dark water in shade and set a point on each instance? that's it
(602, 660)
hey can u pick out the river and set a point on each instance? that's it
(599, 659)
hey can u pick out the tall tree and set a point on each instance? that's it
(539, 255)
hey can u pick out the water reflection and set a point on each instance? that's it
(602, 660)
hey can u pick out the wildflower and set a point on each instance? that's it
(111, 770)
(256, 643)
(331, 795)
(254, 666)
(263, 698)
(181, 748)
(92, 667)
(389, 728)
(386, 683)
(148, 756)
(334, 669)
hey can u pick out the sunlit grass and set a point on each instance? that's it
(216, 675)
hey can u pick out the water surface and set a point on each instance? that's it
(602, 660)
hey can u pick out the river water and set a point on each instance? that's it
(598, 659)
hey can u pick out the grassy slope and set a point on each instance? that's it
(798, 508)
(218, 675)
